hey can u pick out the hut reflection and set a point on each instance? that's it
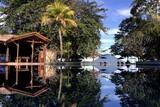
(46, 71)
(14, 80)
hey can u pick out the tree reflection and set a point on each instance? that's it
(80, 88)
(138, 89)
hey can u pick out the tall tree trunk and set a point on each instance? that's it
(61, 74)
(61, 43)
(60, 84)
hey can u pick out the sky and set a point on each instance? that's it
(117, 11)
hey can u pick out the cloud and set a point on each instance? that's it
(113, 31)
(124, 12)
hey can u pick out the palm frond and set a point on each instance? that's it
(60, 13)
(45, 20)
(71, 22)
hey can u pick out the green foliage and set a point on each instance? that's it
(139, 34)
(88, 30)
(25, 16)
(62, 16)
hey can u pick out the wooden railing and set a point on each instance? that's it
(23, 59)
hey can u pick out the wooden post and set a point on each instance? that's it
(32, 46)
(7, 60)
(32, 60)
(7, 68)
(7, 54)
(17, 52)
(17, 63)
(44, 56)
(31, 82)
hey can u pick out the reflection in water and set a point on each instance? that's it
(138, 89)
(121, 86)
(17, 80)
(129, 86)
(80, 88)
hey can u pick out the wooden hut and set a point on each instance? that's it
(20, 49)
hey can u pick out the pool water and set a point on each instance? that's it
(81, 86)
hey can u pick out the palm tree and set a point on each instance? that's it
(60, 14)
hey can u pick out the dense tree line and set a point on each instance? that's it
(23, 16)
(139, 34)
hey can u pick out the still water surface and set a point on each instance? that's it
(82, 86)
